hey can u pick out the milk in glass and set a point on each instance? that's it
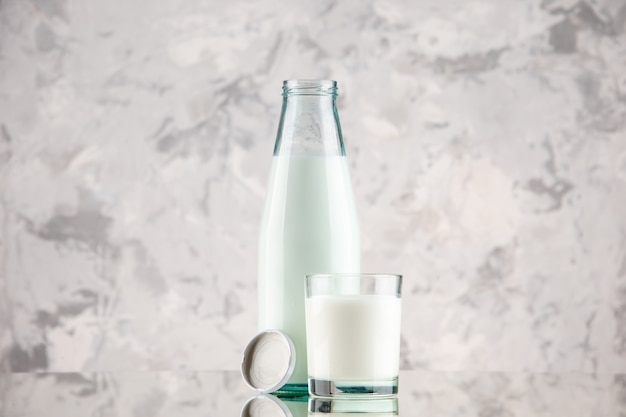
(353, 337)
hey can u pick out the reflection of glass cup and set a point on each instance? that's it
(379, 407)
(353, 334)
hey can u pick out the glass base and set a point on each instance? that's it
(337, 388)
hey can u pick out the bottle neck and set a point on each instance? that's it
(309, 122)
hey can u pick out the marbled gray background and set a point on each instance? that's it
(487, 143)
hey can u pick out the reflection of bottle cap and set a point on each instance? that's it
(265, 406)
(268, 361)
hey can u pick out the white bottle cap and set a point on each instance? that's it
(268, 361)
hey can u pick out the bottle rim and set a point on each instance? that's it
(310, 87)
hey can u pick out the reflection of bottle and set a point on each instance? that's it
(372, 407)
(309, 223)
(267, 405)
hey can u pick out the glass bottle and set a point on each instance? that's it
(310, 223)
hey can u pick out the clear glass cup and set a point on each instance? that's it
(353, 334)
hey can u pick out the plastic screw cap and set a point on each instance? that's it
(268, 361)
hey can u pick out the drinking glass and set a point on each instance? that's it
(353, 334)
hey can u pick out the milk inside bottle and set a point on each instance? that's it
(309, 223)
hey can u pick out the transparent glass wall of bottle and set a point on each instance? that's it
(309, 121)
(309, 223)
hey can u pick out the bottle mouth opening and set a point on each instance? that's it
(310, 88)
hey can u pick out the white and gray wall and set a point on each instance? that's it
(487, 147)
